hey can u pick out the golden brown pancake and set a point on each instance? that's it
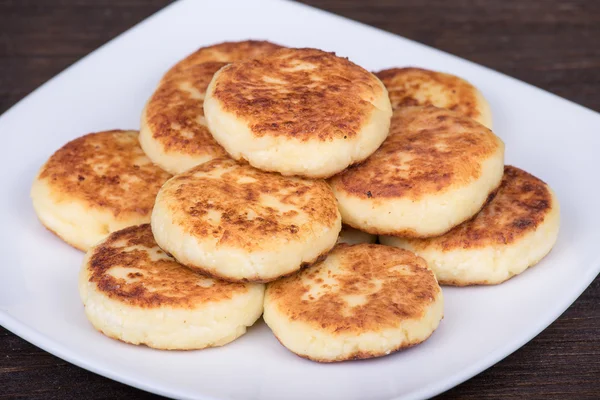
(96, 184)
(434, 171)
(516, 228)
(298, 112)
(362, 301)
(173, 129)
(225, 52)
(238, 223)
(135, 292)
(421, 87)
(155, 279)
(174, 132)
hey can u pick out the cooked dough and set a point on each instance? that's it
(435, 170)
(134, 292)
(349, 235)
(362, 301)
(173, 129)
(238, 223)
(298, 112)
(94, 185)
(225, 52)
(515, 230)
(421, 87)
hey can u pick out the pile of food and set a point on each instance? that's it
(259, 184)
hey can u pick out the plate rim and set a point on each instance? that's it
(55, 348)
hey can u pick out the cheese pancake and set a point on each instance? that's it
(238, 223)
(226, 52)
(134, 292)
(298, 112)
(94, 185)
(173, 130)
(435, 170)
(421, 87)
(515, 230)
(362, 301)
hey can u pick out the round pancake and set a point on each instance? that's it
(349, 235)
(362, 301)
(225, 52)
(238, 223)
(173, 130)
(515, 230)
(435, 170)
(134, 292)
(94, 185)
(298, 112)
(421, 87)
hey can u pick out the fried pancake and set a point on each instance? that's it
(421, 87)
(173, 130)
(298, 112)
(515, 230)
(94, 185)
(435, 170)
(350, 235)
(238, 223)
(362, 301)
(134, 292)
(225, 52)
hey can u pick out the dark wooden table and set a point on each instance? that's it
(553, 44)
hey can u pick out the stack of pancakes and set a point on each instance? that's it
(260, 182)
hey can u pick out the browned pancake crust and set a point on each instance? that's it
(407, 289)
(225, 52)
(175, 112)
(403, 83)
(153, 282)
(458, 283)
(409, 164)
(518, 208)
(107, 171)
(236, 194)
(331, 100)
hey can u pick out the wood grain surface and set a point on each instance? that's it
(553, 44)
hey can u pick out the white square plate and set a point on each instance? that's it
(547, 136)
